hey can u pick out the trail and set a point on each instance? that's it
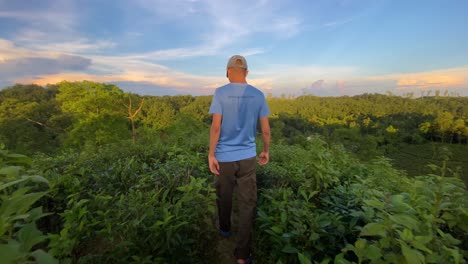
(225, 250)
(225, 246)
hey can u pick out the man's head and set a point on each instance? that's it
(236, 69)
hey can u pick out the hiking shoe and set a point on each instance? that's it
(225, 234)
(247, 261)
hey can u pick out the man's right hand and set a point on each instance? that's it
(214, 165)
(264, 157)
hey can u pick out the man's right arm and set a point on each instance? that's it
(265, 156)
(214, 138)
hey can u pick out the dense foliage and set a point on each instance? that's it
(323, 205)
(124, 179)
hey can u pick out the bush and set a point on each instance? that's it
(20, 239)
(130, 203)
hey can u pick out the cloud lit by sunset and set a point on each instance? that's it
(447, 78)
(182, 46)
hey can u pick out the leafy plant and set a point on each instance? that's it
(20, 238)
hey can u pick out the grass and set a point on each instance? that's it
(414, 159)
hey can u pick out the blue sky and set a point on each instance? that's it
(156, 47)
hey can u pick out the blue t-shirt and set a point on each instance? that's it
(241, 105)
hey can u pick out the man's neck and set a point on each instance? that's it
(240, 80)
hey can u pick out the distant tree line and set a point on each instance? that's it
(89, 114)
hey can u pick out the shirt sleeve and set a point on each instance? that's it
(215, 107)
(264, 110)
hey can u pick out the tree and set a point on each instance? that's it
(26, 119)
(390, 129)
(96, 111)
(159, 112)
(199, 108)
(131, 114)
(443, 124)
(458, 128)
(87, 99)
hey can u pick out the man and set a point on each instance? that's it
(236, 109)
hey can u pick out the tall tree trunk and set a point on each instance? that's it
(131, 115)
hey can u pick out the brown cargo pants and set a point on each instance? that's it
(242, 174)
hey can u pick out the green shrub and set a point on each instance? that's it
(20, 239)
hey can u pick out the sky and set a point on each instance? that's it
(169, 47)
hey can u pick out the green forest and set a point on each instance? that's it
(92, 174)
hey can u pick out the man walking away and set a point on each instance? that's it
(236, 109)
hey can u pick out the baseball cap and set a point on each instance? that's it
(237, 61)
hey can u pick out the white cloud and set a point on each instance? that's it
(240, 18)
(14, 68)
(78, 46)
(49, 16)
(51, 33)
(335, 81)
(229, 23)
(338, 22)
(54, 27)
(169, 10)
(314, 87)
(46, 19)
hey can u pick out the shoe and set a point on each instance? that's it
(247, 261)
(225, 234)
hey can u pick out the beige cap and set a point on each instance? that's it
(237, 61)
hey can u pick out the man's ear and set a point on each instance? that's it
(246, 73)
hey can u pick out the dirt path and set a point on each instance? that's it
(226, 246)
(225, 250)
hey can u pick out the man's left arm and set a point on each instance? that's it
(215, 131)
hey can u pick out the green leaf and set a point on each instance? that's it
(360, 243)
(373, 229)
(444, 205)
(277, 229)
(375, 203)
(303, 259)
(10, 252)
(289, 249)
(19, 204)
(29, 236)
(455, 253)
(448, 238)
(324, 222)
(423, 239)
(325, 260)
(36, 214)
(43, 257)
(314, 236)
(11, 171)
(18, 158)
(283, 217)
(37, 178)
(385, 242)
(262, 215)
(340, 259)
(13, 155)
(26, 178)
(405, 220)
(412, 256)
(372, 252)
(406, 234)
(420, 246)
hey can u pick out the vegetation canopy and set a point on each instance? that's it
(105, 176)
